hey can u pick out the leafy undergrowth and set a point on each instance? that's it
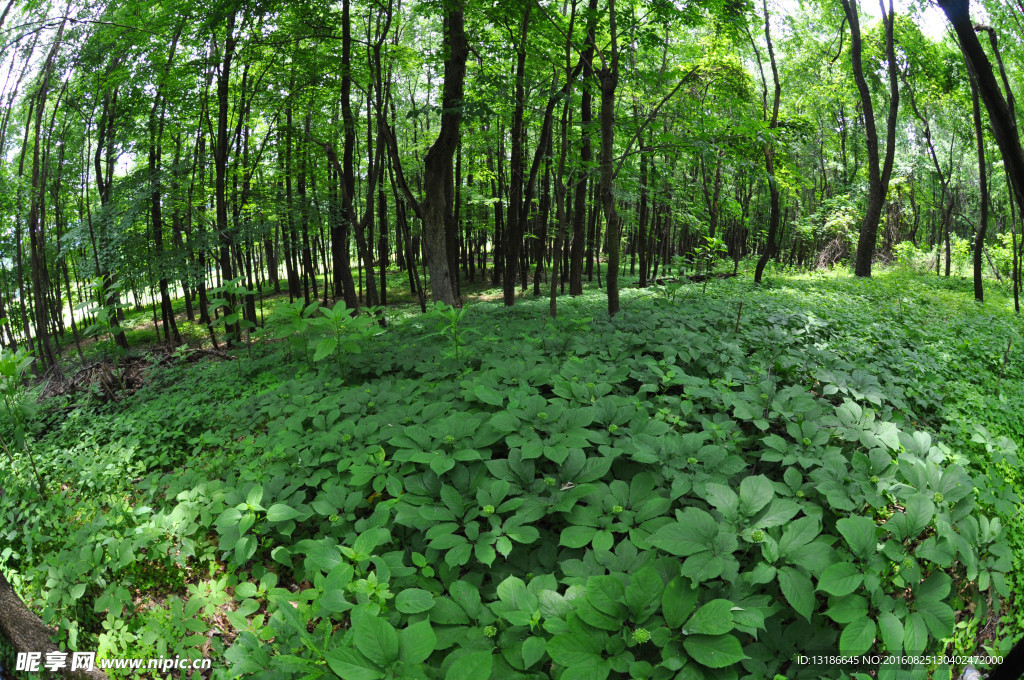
(687, 491)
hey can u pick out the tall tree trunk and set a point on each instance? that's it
(436, 166)
(769, 152)
(220, 161)
(609, 79)
(513, 236)
(878, 177)
(579, 211)
(979, 239)
(1000, 114)
(156, 129)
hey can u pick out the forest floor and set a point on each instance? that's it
(267, 508)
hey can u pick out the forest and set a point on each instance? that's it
(527, 340)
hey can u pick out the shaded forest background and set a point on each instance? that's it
(154, 151)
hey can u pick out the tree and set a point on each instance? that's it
(878, 177)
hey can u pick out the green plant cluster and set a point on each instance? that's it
(672, 494)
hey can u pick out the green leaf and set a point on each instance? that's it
(935, 588)
(576, 536)
(346, 663)
(533, 650)
(713, 618)
(798, 590)
(677, 601)
(860, 534)
(755, 493)
(857, 637)
(472, 666)
(840, 579)
(325, 347)
(798, 533)
(694, 533)
(414, 601)
(714, 651)
(938, 617)
(279, 512)
(244, 590)
(571, 649)
(488, 395)
(722, 498)
(505, 422)
(375, 638)
(848, 608)
(920, 511)
(915, 634)
(891, 631)
(416, 643)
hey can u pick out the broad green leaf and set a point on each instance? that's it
(847, 608)
(325, 347)
(695, 532)
(375, 639)
(857, 637)
(416, 643)
(533, 650)
(346, 663)
(576, 536)
(713, 618)
(677, 601)
(890, 629)
(938, 616)
(839, 579)
(935, 588)
(242, 590)
(279, 512)
(413, 601)
(489, 395)
(798, 590)
(860, 533)
(472, 666)
(755, 493)
(920, 510)
(915, 634)
(571, 649)
(714, 651)
(798, 533)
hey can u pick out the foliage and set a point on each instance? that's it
(231, 298)
(659, 497)
(105, 307)
(18, 407)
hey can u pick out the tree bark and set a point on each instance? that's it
(878, 176)
(27, 633)
(437, 164)
(609, 79)
(220, 160)
(769, 153)
(579, 211)
(1001, 116)
(979, 239)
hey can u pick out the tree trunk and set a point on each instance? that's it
(878, 177)
(609, 79)
(220, 160)
(1001, 116)
(769, 153)
(979, 239)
